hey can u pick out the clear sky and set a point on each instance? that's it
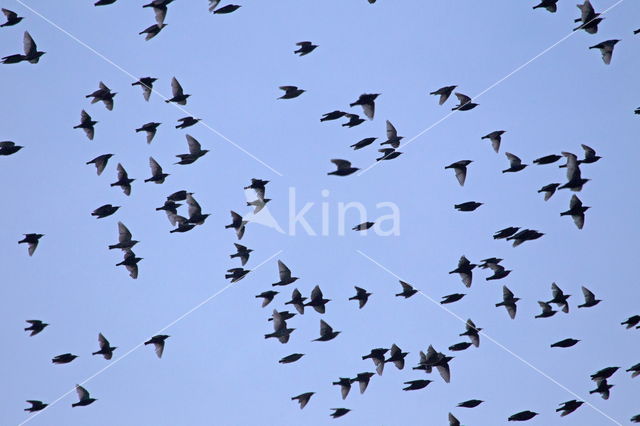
(217, 367)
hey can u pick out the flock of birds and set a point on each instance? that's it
(589, 21)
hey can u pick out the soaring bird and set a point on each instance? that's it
(589, 298)
(362, 296)
(576, 211)
(83, 397)
(157, 176)
(495, 137)
(285, 275)
(31, 53)
(509, 302)
(146, 83)
(606, 49)
(103, 94)
(35, 327)
(150, 129)
(9, 148)
(407, 290)
(367, 101)
(237, 223)
(317, 301)
(464, 103)
(86, 124)
(106, 350)
(104, 211)
(179, 97)
(343, 168)
(12, 19)
(291, 92)
(100, 162)
(569, 407)
(444, 93)
(460, 167)
(303, 398)
(32, 241)
(195, 151)
(305, 47)
(464, 269)
(158, 342)
(515, 163)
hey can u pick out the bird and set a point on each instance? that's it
(559, 298)
(451, 298)
(515, 164)
(377, 356)
(339, 412)
(464, 103)
(35, 404)
(388, 154)
(318, 302)
(146, 83)
(589, 18)
(460, 167)
(362, 296)
(130, 262)
(569, 407)
(226, 9)
(589, 298)
(472, 332)
(435, 359)
(499, 272)
(524, 235)
(407, 290)
(465, 270)
(603, 388)
(157, 176)
(486, 263)
(100, 162)
(123, 181)
(31, 53)
(589, 155)
(258, 204)
(285, 275)
(416, 384)
(9, 148)
(635, 419)
(631, 321)
(267, 297)
(183, 224)
(363, 226)
(574, 175)
(460, 346)
(303, 398)
(196, 216)
(195, 151)
(509, 302)
(444, 93)
(550, 5)
(472, 403)
(604, 374)
(281, 332)
(547, 159)
(179, 97)
(150, 129)
(635, 370)
(453, 421)
(345, 386)
(171, 208)
(291, 92)
(522, 416)
(237, 223)
(576, 211)
(106, 350)
(363, 380)
(283, 315)
(86, 124)
(343, 168)
(495, 137)
(158, 342)
(104, 211)
(392, 136)
(505, 233)
(152, 31)
(125, 240)
(362, 143)
(297, 301)
(32, 241)
(12, 18)
(160, 9)
(83, 397)
(468, 206)
(187, 122)
(333, 115)
(549, 190)
(63, 358)
(547, 310)
(236, 274)
(606, 49)
(103, 94)
(367, 101)
(259, 186)
(304, 48)
(242, 253)
(35, 327)
(565, 343)
(354, 120)
(290, 358)
(396, 356)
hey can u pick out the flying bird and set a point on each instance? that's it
(576, 211)
(291, 92)
(464, 103)
(103, 94)
(377, 356)
(146, 83)
(150, 129)
(104, 211)
(339, 412)
(444, 93)
(160, 9)
(550, 5)
(259, 186)
(362, 143)
(388, 154)
(515, 163)
(589, 18)
(35, 404)
(195, 211)
(100, 162)
(635, 370)
(9, 148)
(603, 388)
(12, 19)
(565, 343)
(242, 253)
(35, 327)
(589, 155)
(345, 386)
(604, 374)
(318, 302)
(499, 272)
(362, 296)
(416, 384)
(407, 290)
(83, 397)
(187, 122)
(237, 223)
(453, 421)
(152, 31)
(363, 226)
(354, 120)
(297, 301)
(522, 416)
(457, 347)
(509, 302)
(631, 321)
(397, 356)
(569, 407)
(333, 115)
(267, 297)
(606, 49)
(290, 358)
(179, 97)
(236, 274)
(460, 167)
(343, 168)
(468, 206)
(32, 241)
(157, 176)
(589, 298)
(158, 343)
(304, 48)
(367, 101)
(505, 233)
(472, 332)
(464, 269)
(195, 151)
(63, 358)
(130, 262)
(547, 159)
(495, 138)
(451, 298)
(547, 310)
(86, 124)
(363, 380)
(123, 181)
(285, 275)
(226, 9)
(524, 235)
(549, 190)
(31, 53)
(106, 350)
(303, 398)
(472, 403)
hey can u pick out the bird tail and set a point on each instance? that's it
(353, 104)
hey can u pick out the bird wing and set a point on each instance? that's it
(194, 207)
(461, 174)
(156, 170)
(578, 219)
(463, 99)
(511, 309)
(453, 421)
(392, 133)
(316, 293)
(588, 151)
(573, 171)
(104, 343)
(588, 295)
(161, 13)
(514, 160)
(84, 117)
(176, 88)
(83, 394)
(470, 325)
(445, 372)
(506, 293)
(32, 248)
(29, 45)
(575, 202)
(341, 164)
(303, 43)
(9, 14)
(463, 262)
(406, 286)
(122, 173)
(288, 88)
(124, 235)
(285, 273)
(546, 308)
(159, 346)
(325, 329)
(194, 145)
(212, 6)
(369, 110)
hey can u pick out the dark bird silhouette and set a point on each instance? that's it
(576, 211)
(453, 421)
(435, 359)
(460, 167)
(367, 101)
(524, 235)
(343, 168)
(468, 206)
(104, 2)
(589, 155)
(333, 115)
(339, 412)
(569, 407)
(150, 129)
(285, 275)
(495, 137)
(226, 9)
(100, 162)
(35, 406)
(362, 143)
(157, 176)
(281, 332)
(388, 154)
(631, 321)
(125, 240)
(236, 274)
(603, 388)
(457, 347)
(464, 269)
(505, 233)
(604, 374)
(258, 204)
(472, 403)
(472, 332)
(130, 262)
(407, 290)
(171, 207)
(291, 92)
(195, 211)
(303, 398)
(179, 96)
(237, 223)
(566, 343)
(63, 358)
(549, 190)
(187, 122)
(547, 310)
(547, 159)
(146, 83)
(574, 175)
(32, 241)
(259, 186)
(160, 9)
(9, 148)
(86, 124)
(103, 94)
(83, 397)
(550, 5)
(158, 342)
(35, 327)
(451, 298)
(362, 296)
(195, 151)
(363, 380)
(152, 31)
(416, 384)
(559, 298)
(634, 370)
(377, 356)
(392, 136)
(397, 356)
(464, 103)
(242, 253)
(317, 301)
(304, 48)
(267, 297)
(486, 263)
(606, 49)
(589, 298)
(354, 120)
(589, 18)
(499, 272)
(297, 301)
(444, 93)
(345, 386)
(31, 53)
(183, 224)
(123, 181)
(283, 315)
(509, 302)
(636, 418)
(12, 18)
(106, 350)
(290, 358)
(515, 164)
(104, 211)
(363, 226)
(522, 416)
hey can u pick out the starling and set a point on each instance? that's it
(416, 384)
(158, 343)
(146, 83)
(435, 359)
(152, 31)
(345, 386)
(547, 159)
(363, 380)
(157, 176)
(576, 211)
(468, 206)
(179, 96)
(104, 211)
(339, 412)
(291, 92)
(634, 370)
(460, 167)
(472, 403)
(183, 224)
(464, 269)
(392, 136)
(35, 327)
(589, 155)
(237, 223)
(362, 296)
(444, 93)
(549, 190)
(377, 356)
(631, 321)
(305, 47)
(297, 301)
(515, 164)
(550, 5)
(64, 358)
(453, 421)
(603, 388)
(589, 298)
(150, 129)
(636, 418)
(505, 233)
(566, 343)
(509, 302)
(407, 290)
(367, 101)
(226, 9)
(86, 124)
(362, 143)
(290, 358)
(524, 235)
(343, 168)
(318, 302)
(487, 263)
(604, 374)
(606, 49)
(12, 19)
(574, 175)
(363, 226)
(589, 18)
(283, 315)
(495, 138)
(160, 9)
(333, 115)
(83, 396)
(569, 407)
(106, 350)
(103, 94)
(130, 262)
(388, 154)
(35, 405)
(559, 298)
(187, 122)
(195, 151)
(354, 120)
(32, 241)
(464, 103)
(258, 204)
(397, 356)
(31, 53)
(236, 274)
(123, 181)
(522, 416)
(450, 298)
(195, 211)
(124, 238)
(8, 148)
(472, 332)
(100, 162)
(499, 272)
(104, 2)
(267, 297)
(303, 399)
(259, 186)
(285, 275)
(547, 310)
(459, 346)
(242, 253)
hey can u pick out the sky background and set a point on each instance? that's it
(217, 367)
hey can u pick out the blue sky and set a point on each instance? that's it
(217, 367)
